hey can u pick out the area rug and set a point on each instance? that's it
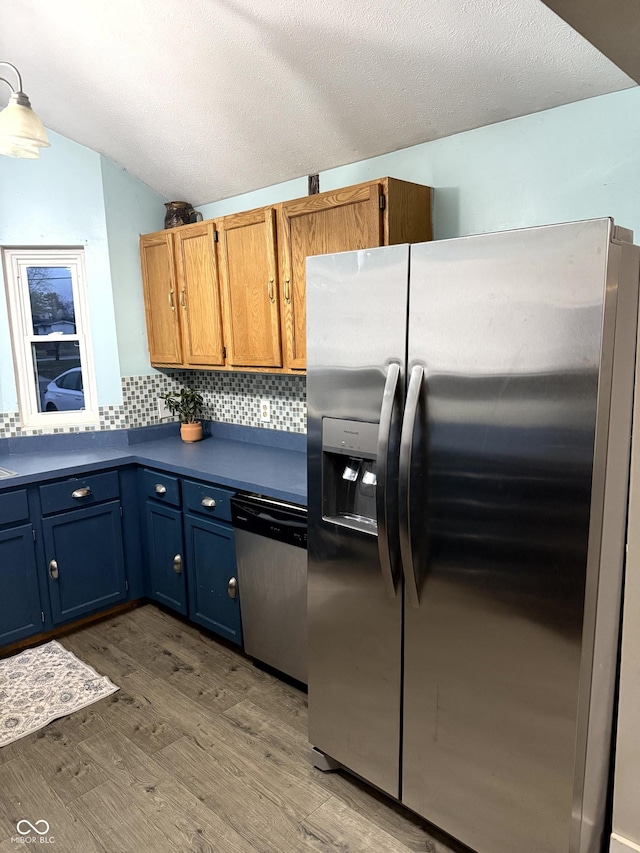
(43, 684)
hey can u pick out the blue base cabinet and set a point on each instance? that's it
(213, 590)
(20, 611)
(85, 560)
(166, 576)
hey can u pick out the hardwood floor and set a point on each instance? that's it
(197, 751)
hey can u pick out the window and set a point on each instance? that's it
(47, 300)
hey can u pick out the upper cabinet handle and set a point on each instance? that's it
(183, 300)
(272, 297)
(84, 492)
(171, 305)
(287, 291)
(208, 502)
(160, 489)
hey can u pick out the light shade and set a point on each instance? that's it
(20, 126)
(29, 152)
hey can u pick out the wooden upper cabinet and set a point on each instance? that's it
(198, 295)
(360, 217)
(249, 278)
(160, 298)
(240, 303)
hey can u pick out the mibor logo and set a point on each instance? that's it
(33, 833)
(24, 827)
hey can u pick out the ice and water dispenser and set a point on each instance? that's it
(349, 479)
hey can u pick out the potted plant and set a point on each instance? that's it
(188, 405)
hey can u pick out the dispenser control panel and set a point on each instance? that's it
(351, 438)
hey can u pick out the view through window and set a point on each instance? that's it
(58, 370)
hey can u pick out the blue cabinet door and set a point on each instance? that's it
(85, 560)
(20, 611)
(211, 559)
(165, 565)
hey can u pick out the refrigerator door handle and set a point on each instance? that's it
(389, 402)
(416, 383)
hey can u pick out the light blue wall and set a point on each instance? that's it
(573, 162)
(131, 209)
(58, 201)
(260, 198)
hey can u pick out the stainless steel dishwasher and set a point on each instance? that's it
(271, 552)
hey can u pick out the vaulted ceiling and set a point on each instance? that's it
(207, 99)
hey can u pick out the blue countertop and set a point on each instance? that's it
(268, 462)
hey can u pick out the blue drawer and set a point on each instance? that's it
(161, 487)
(211, 501)
(13, 507)
(79, 491)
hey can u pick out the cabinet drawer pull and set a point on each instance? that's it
(183, 300)
(171, 305)
(177, 564)
(270, 292)
(287, 291)
(232, 588)
(160, 489)
(53, 570)
(84, 492)
(208, 502)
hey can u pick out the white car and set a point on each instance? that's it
(65, 393)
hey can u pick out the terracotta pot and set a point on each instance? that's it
(191, 432)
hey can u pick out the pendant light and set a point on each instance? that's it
(22, 133)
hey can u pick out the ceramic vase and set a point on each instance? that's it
(191, 432)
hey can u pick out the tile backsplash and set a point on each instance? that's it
(228, 397)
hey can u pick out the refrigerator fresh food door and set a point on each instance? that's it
(507, 451)
(356, 342)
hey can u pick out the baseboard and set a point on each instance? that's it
(623, 845)
(61, 630)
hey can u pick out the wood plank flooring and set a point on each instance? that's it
(198, 751)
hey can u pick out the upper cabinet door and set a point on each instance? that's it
(160, 298)
(336, 221)
(250, 289)
(199, 295)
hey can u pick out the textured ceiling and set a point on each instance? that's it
(207, 99)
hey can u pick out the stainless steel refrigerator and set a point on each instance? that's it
(469, 418)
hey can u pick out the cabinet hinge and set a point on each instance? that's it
(215, 236)
(42, 615)
(224, 352)
(381, 202)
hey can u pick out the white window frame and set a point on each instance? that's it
(16, 262)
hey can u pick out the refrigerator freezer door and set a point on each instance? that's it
(356, 333)
(504, 519)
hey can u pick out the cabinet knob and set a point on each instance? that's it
(84, 492)
(160, 489)
(177, 564)
(208, 502)
(232, 588)
(53, 570)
